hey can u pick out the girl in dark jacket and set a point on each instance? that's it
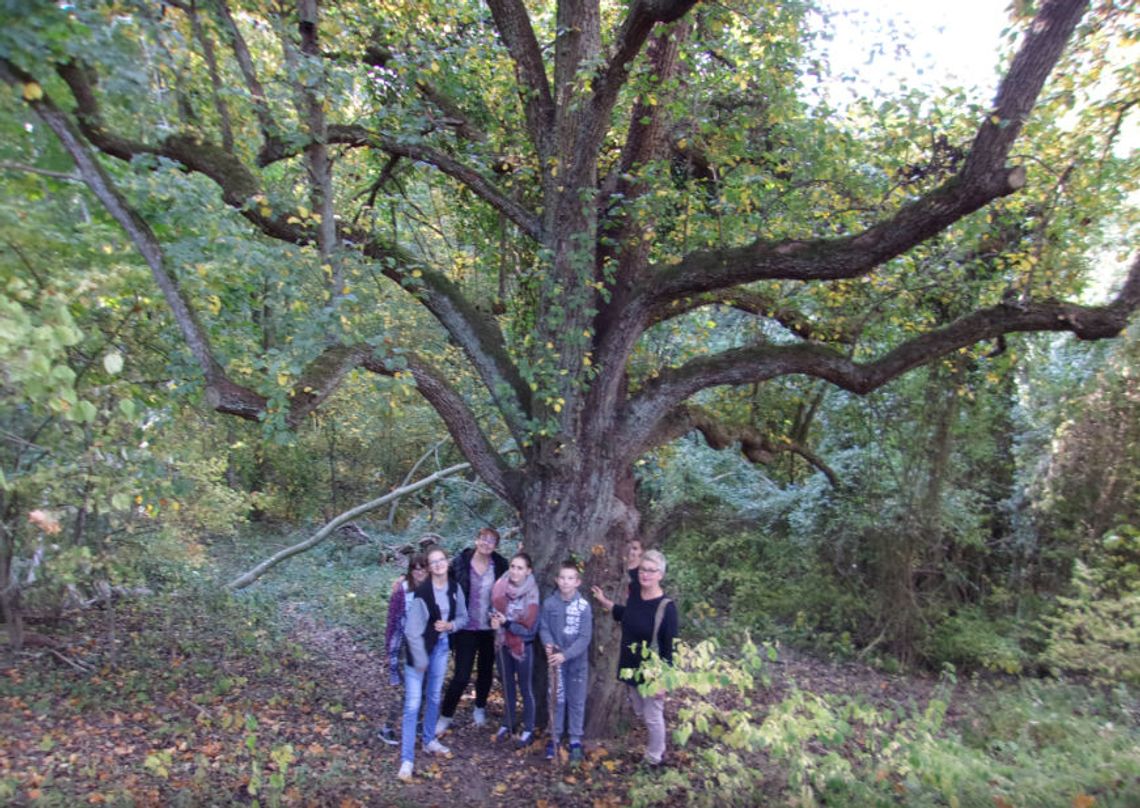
(475, 570)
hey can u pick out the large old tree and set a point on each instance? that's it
(555, 184)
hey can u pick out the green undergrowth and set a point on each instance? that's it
(741, 740)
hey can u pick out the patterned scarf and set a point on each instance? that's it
(520, 605)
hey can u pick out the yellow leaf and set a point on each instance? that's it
(283, 379)
(1084, 801)
(33, 91)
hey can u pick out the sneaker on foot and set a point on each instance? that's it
(480, 717)
(388, 736)
(405, 772)
(442, 724)
(576, 754)
(551, 750)
(502, 734)
(524, 739)
(436, 748)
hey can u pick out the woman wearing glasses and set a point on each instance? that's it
(434, 614)
(647, 621)
(475, 570)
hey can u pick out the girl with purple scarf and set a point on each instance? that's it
(514, 616)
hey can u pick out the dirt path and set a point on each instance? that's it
(478, 771)
(481, 772)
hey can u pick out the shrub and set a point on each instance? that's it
(1096, 631)
(970, 640)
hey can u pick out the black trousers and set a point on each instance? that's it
(473, 649)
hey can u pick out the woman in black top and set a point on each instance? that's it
(649, 620)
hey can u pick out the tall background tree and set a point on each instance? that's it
(512, 209)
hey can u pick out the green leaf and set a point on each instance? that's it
(86, 411)
(113, 362)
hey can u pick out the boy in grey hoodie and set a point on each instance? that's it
(565, 626)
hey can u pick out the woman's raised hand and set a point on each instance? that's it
(601, 597)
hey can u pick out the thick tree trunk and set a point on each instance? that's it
(590, 516)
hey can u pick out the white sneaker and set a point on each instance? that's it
(405, 772)
(436, 748)
(442, 724)
(480, 717)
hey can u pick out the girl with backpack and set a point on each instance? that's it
(433, 615)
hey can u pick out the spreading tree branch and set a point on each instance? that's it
(358, 136)
(758, 447)
(461, 424)
(514, 26)
(43, 172)
(210, 57)
(983, 178)
(648, 410)
(317, 160)
(755, 303)
(475, 332)
(248, 72)
(221, 392)
(628, 42)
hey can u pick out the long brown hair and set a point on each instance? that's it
(415, 561)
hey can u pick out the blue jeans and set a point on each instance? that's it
(518, 672)
(415, 683)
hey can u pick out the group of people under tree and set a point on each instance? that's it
(489, 610)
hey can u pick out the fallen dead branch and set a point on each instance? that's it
(245, 579)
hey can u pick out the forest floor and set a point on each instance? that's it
(179, 715)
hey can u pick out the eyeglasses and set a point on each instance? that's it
(486, 539)
(648, 570)
(435, 561)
